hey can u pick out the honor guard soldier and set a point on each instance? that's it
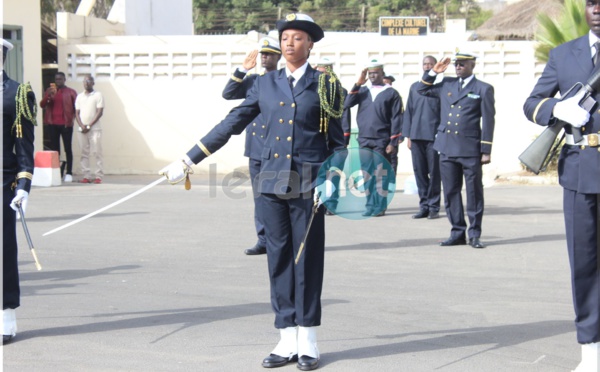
(578, 173)
(420, 124)
(379, 121)
(464, 141)
(18, 118)
(237, 88)
(302, 109)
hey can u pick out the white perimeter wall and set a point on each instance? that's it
(163, 93)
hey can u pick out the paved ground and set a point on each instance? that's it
(160, 283)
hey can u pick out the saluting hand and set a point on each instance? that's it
(362, 78)
(250, 61)
(442, 65)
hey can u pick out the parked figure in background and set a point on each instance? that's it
(325, 65)
(464, 141)
(379, 121)
(421, 120)
(59, 112)
(237, 88)
(89, 108)
(18, 120)
(578, 174)
(302, 109)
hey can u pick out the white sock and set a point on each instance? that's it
(307, 342)
(288, 344)
(590, 358)
(9, 322)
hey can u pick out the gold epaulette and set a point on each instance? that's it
(22, 109)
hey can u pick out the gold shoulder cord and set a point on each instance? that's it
(328, 101)
(22, 109)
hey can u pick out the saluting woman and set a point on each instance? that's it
(302, 109)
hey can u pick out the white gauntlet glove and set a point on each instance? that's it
(21, 197)
(177, 170)
(570, 111)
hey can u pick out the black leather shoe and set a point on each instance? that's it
(453, 241)
(257, 249)
(433, 215)
(6, 339)
(476, 243)
(274, 360)
(421, 214)
(306, 363)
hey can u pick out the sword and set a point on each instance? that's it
(312, 216)
(31, 249)
(161, 179)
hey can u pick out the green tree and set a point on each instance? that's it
(552, 32)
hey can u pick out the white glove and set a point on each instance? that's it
(21, 196)
(570, 111)
(324, 192)
(176, 171)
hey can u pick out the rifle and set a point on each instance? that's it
(535, 157)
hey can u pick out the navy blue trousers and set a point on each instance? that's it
(254, 167)
(452, 170)
(10, 269)
(581, 223)
(426, 166)
(295, 289)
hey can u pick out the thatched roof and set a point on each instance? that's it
(517, 21)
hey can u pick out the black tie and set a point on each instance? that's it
(460, 84)
(597, 55)
(291, 82)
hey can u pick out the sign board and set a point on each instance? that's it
(403, 26)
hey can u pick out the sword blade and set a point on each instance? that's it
(28, 237)
(133, 194)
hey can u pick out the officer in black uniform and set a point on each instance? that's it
(464, 141)
(420, 123)
(18, 120)
(237, 88)
(302, 109)
(578, 173)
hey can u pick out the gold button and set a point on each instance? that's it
(288, 156)
(583, 129)
(598, 149)
(263, 127)
(450, 114)
(253, 124)
(456, 132)
(459, 106)
(448, 130)
(291, 122)
(254, 134)
(451, 106)
(449, 123)
(276, 156)
(455, 123)
(289, 139)
(582, 147)
(281, 121)
(457, 115)
(262, 136)
(277, 138)
(281, 104)
(293, 104)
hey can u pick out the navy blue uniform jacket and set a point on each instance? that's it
(294, 147)
(421, 116)
(467, 117)
(237, 88)
(17, 152)
(379, 119)
(569, 63)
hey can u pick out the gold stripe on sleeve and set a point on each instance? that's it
(236, 79)
(537, 108)
(27, 175)
(204, 149)
(486, 142)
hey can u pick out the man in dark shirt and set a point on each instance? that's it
(379, 121)
(421, 119)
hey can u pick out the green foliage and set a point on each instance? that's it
(552, 32)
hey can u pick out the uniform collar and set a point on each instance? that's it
(298, 73)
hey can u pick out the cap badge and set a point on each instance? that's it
(290, 17)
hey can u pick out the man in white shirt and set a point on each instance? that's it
(89, 107)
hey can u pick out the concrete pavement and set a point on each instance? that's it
(160, 283)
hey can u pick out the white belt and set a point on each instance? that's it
(588, 140)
